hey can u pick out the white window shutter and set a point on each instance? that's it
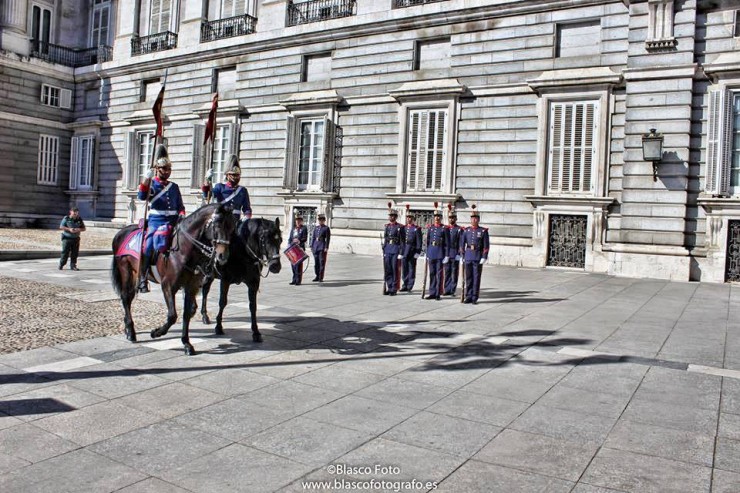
(573, 131)
(44, 88)
(418, 132)
(713, 143)
(131, 160)
(234, 134)
(725, 146)
(197, 170)
(290, 171)
(74, 164)
(65, 98)
(328, 160)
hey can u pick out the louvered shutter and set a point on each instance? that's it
(571, 147)
(725, 143)
(417, 140)
(227, 9)
(197, 169)
(234, 134)
(713, 143)
(74, 163)
(327, 169)
(65, 98)
(435, 151)
(131, 160)
(290, 171)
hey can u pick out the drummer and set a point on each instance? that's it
(298, 236)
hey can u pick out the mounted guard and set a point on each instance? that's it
(229, 192)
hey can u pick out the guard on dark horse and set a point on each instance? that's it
(200, 243)
(255, 245)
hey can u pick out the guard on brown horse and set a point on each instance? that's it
(201, 242)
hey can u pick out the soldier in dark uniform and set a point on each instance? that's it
(320, 247)
(166, 206)
(71, 226)
(298, 236)
(410, 251)
(452, 269)
(392, 237)
(230, 192)
(474, 245)
(436, 255)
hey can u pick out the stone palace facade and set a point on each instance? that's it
(534, 111)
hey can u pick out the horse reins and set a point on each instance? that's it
(261, 261)
(205, 250)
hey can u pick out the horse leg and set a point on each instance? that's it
(127, 294)
(188, 311)
(256, 336)
(204, 296)
(223, 298)
(169, 298)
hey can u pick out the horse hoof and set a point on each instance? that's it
(131, 336)
(206, 320)
(219, 331)
(257, 337)
(155, 333)
(189, 350)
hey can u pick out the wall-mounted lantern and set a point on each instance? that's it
(652, 150)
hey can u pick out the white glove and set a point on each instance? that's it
(209, 174)
(457, 258)
(400, 257)
(445, 260)
(416, 255)
(149, 174)
(482, 261)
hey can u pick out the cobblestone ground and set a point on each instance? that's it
(50, 239)
(36, 314)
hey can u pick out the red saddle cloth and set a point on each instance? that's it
(131, 245)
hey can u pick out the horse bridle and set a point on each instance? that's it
(261, 261)
(205, 250)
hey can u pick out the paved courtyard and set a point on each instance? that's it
(557, 381)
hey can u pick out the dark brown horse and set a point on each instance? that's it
(200, 243)
(255, 245)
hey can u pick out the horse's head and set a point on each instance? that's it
(263, 239)
(221, 227)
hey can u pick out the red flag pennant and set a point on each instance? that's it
(157, 110)
(211, 123)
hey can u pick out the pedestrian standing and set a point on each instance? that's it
(320, 247)
(452, 269)
(436, 255)
(72, 225)
(392, 236)
(411, 249)
(474, 247)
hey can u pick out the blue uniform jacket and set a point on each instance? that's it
(412, 240)
(298, 235)
(320, 238)
(392, 238)
(237, 197)
(436, 242)
(163, 207)
(454, 233)
(474, 244)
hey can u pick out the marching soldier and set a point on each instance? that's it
(411, 249)
(298, 236)
(474, 246)
(166, 207)
(230, 192)
(436, 254)
(320, 247)
(452, 269)
(392, 237)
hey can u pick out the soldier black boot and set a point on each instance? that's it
(143, 275)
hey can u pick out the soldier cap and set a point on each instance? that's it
(475, 212)
(451, 211)
(233, 166)
(161, 157)
(391, 210)
(322, 216)
(437, 212)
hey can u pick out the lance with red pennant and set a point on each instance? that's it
(210, 133)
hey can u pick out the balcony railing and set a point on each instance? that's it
(155, 42)
(410, 3)
(71, 57)
(318, 10)
(227, 28)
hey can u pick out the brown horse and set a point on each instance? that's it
(201, 241)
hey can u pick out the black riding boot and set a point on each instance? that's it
(143, 275)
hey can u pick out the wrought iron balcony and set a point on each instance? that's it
(155, 42)
(318, 10)
(227, 28)
(410, 3)
(71, 57)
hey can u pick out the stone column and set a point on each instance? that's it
(13, 37)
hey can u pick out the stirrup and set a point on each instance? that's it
(143, 286)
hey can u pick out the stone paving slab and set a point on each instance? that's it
(556, 381)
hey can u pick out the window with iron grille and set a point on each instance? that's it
(48, 160)
(573, 133)
(427, 150)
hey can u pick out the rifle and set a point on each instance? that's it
(424, 284)
(462, 266)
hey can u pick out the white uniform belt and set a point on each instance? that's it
(155, 212)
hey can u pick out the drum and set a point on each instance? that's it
(295, 254)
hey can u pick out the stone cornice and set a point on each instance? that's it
(569, 203)
(312, 98)
(724, 65)
(671, 72)
(428, 88)
(557, 79)
(32, 120)
(36, 66)
(720, 205)
(226, 107)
